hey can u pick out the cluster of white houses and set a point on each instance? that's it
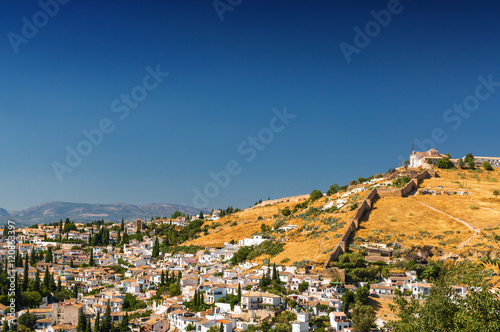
(206, 271)
(425, 159)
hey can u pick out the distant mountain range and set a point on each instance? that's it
(53, 211)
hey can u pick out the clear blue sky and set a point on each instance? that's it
(225, 78)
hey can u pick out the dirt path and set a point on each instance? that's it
(462, 244)
(487, 208)
(475, 229)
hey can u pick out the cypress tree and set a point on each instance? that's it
(17, 293)
(82, 323)
(124, 324)
(52, 284)
(96, 323)
(125, 237)
(48, 256)
(33, 257)
(36, 286)
(122, 226)
(91, 260)
(156, 249)
(46, 276)
(106, 321)
(239, 292)
(25, 275)
(162, 278)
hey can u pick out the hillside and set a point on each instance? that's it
(464, 225)
(462, 218)
(315, 236)
(53, 211)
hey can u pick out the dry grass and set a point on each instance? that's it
(397, 219)
(393, 219)
(394, 216)
(381, 306)
(313, 240)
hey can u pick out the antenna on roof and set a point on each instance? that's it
(412, 146)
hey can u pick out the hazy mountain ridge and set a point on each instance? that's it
(4, 213)
(53, 211)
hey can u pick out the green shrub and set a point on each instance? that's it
(286, 211)
(487, 166)
(445, 163)
(401, 182)
(313, 212)
(315, 194)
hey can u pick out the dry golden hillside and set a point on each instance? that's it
(312, 240)
(450, 223)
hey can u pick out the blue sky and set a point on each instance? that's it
(225, 78)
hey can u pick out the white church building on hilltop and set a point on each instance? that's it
(425, 159)
(421, 159)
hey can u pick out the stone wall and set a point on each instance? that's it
(413, 184)
(389, 192)
(353, 225)
(367, 205)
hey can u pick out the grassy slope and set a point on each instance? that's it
(394, 219)
(311, 241)
(395, 216)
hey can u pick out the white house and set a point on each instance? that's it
(255, 241)
(302, 323)
(339, 321)
(255, 300)
(418, 289)
(215, 293)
